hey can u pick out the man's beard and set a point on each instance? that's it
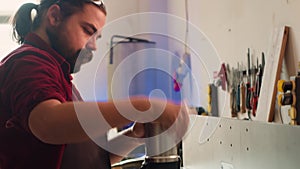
(60, 46)
(83, 56)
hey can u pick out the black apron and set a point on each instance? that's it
(86, 155)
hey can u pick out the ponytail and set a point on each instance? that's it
(22, 21)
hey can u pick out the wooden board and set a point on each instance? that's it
(274, 59)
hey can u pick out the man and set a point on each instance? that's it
(39, 127)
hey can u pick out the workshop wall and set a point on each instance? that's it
(6, 41)
(233, 26)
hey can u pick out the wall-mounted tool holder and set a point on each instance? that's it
(289, 95)
(242, 84)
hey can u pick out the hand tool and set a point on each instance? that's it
(258, 81)
(243, 98)
(223, 76)
(229, 77)
(254, 104)
(254, 96)
(293, 115)
(288, 98)
(232, 102)
(263, 61)
(243, 91)
(284, 86)
(248, 84)
(237, 86)
(238, 98)
(232, 89)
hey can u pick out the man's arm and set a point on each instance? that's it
(122, 146)
(54, 122)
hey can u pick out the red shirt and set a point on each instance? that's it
(29, 75)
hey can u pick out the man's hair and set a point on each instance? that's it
(23, 23)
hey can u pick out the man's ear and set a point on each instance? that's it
(54, 15)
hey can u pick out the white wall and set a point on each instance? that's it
(6, 41)
(235, 25)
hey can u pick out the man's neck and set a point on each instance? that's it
(43, 35)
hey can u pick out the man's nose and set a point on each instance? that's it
(91, 44)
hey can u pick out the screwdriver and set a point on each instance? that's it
(288, 98)
(243, 99)
(248, 84)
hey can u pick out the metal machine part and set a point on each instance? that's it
(129, 164)
(156, 158)
(168, 165)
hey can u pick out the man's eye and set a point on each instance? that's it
(88, 31)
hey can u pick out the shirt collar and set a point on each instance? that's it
(34, 40)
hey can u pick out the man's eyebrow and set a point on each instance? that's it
(91, 26)
(94, 29)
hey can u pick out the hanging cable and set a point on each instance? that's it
(185, 60)
(186, 26)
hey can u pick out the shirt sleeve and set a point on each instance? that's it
(32, 80)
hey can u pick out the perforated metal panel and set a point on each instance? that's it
(215, 143)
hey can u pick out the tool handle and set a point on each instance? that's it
(238, 98)
(248, 96)
(254, 105)
(233, 102)
(243, 98)
(288, 98)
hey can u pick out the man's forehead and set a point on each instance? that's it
(93, 16)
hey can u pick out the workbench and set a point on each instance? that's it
(225, 143)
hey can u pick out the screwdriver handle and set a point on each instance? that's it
(254, 105)
(232, 103)
(248, 96)
(238, 98)
(243, 98)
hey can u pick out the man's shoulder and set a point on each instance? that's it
(28, 53)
